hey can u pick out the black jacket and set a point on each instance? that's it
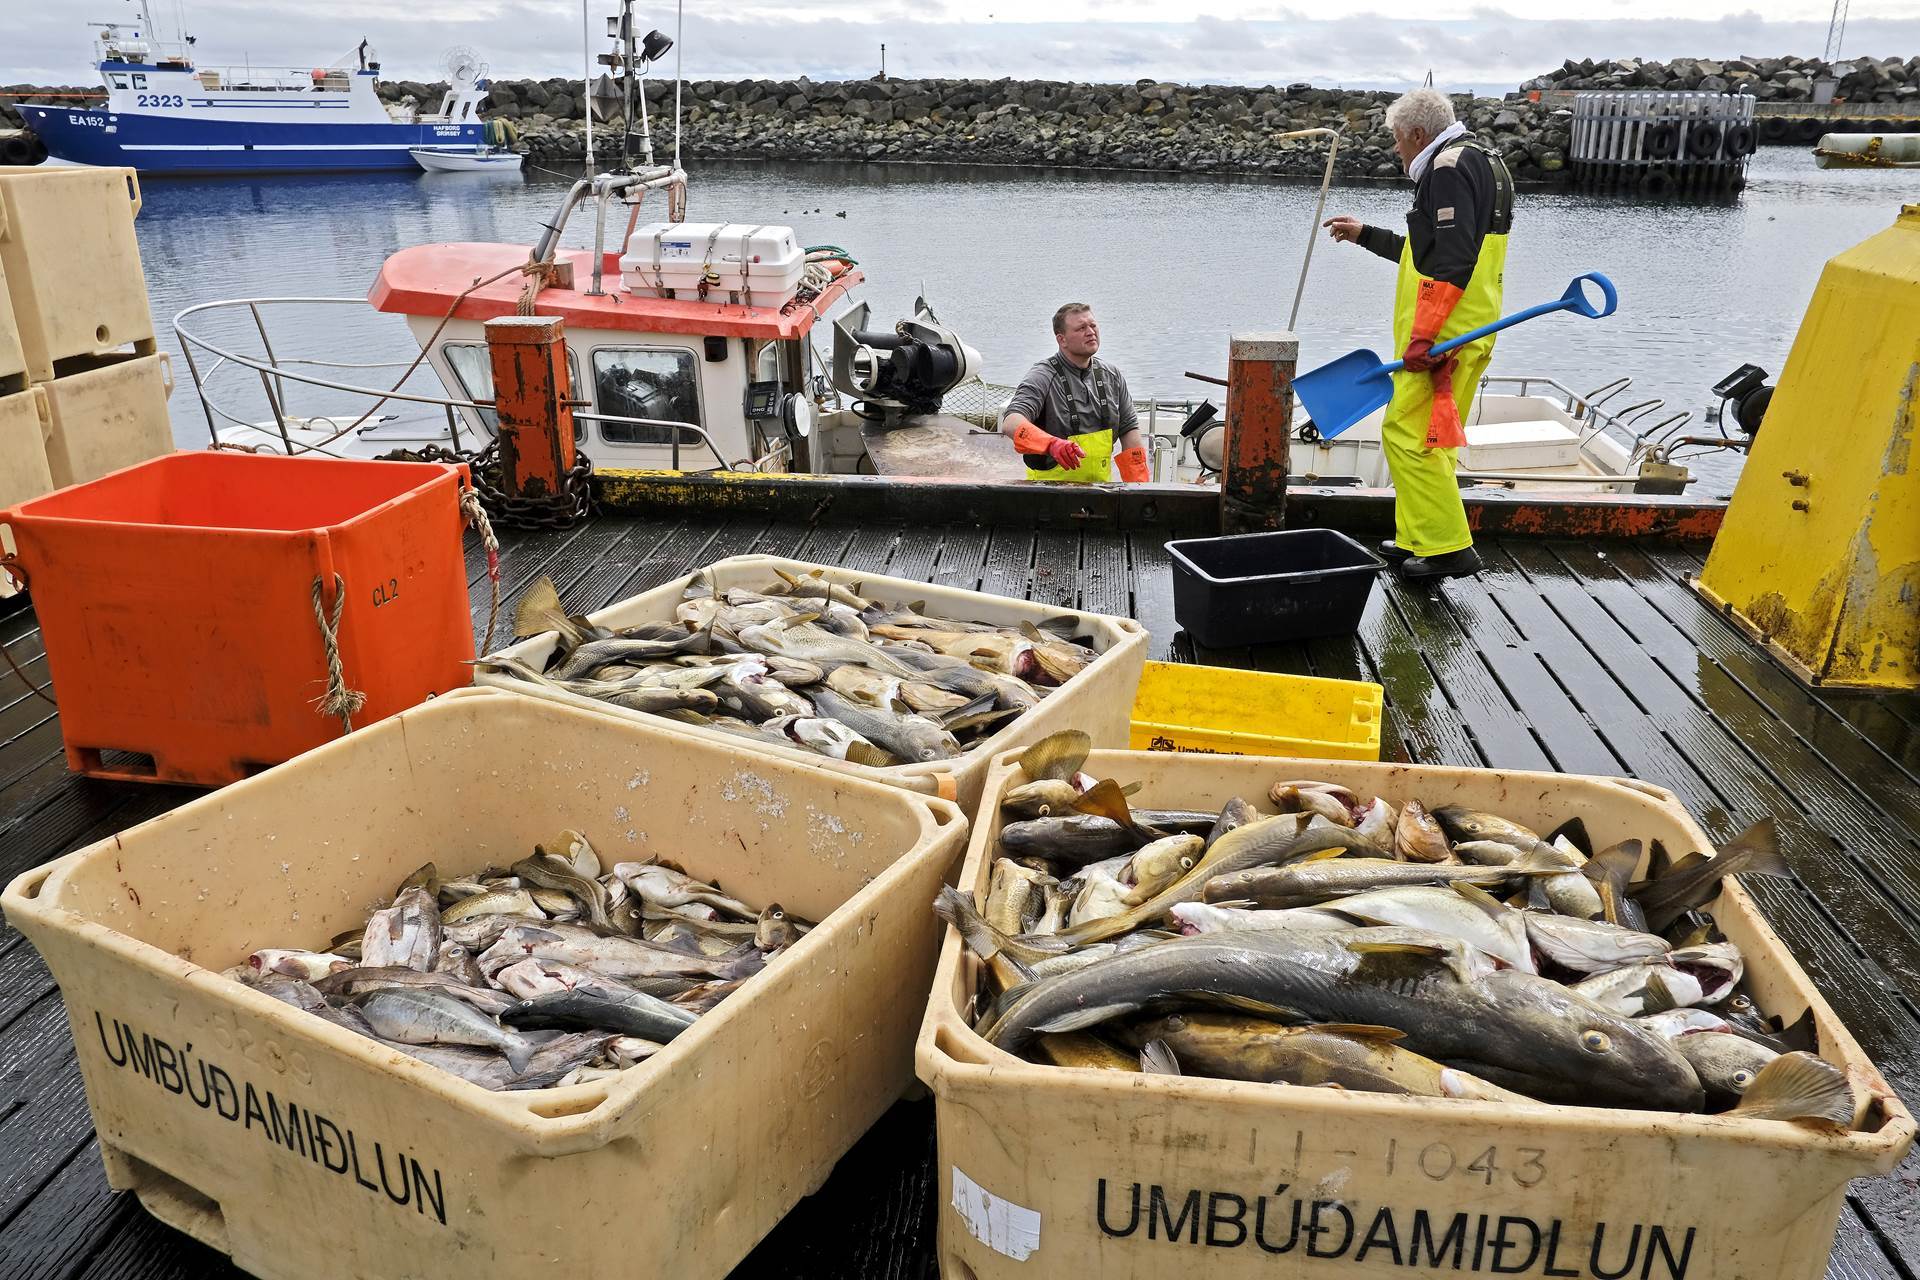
(1465, 195)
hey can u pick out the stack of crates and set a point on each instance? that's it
(83, 388)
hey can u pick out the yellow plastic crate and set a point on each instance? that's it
(1220, 710)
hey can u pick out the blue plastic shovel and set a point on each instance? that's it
(1340, 393)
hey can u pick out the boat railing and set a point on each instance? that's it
(207, 360)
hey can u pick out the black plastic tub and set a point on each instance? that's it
(1256, 588)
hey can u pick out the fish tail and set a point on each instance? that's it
(957, 909)
(1760, 845)
(519, 1053)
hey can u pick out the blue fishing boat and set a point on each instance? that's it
(163, 114)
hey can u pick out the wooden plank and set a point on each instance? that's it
(578, 554)
(1008, 569)
(519, 570)
(1857, 1253)
(1501, 733)
(1105, 576)
(56, 1233)
(1850, 746)
(145, 1249)
(869, 549)
(783, 538)
(1568, 736)
(1431, 728)
(510, 541)
(592, 587)
(679, 553)
(825, 544)
(46, 1127)
(24, 981)
(877, 1216)
(1153, 592)
(963, 554)
(916, 551)
(1862, 831)
(734, 538)
(1057, 570)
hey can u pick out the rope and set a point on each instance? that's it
(540, 275)
(338, 700)
(476, 515)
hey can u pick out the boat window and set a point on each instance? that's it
(646, 382)
(119, 82)
(472, 365)
(466, 109)
(767, 367)
(139, 81)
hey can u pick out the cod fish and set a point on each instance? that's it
(1269, 841)
(1590, 946)
(1237, 1047)
(431, 1017)
(632, 1014)
(1530, 1030)
(1727, 1064)
(1080, 838)
(911, 737)
(1307, 884)
(1695, 880)
(1459, 911)
(612, 957)
(297, 964)
(554, 1057)
(406, 935)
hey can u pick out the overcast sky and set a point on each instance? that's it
(1377, 43)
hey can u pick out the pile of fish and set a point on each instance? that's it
(808, 663)
(1346, 941)
(547, 973)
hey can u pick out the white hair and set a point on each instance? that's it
(1427, 111)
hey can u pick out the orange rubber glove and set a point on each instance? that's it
(1029, 439)
(1132, 464)
(1430, 311)
(1444, 430)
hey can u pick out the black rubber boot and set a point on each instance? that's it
(1455, 564)
(1392, 552)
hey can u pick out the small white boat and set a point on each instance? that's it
(464, 159)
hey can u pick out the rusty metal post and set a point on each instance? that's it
(532, 398)
(1253, 486)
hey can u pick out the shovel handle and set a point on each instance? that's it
(1574, 299)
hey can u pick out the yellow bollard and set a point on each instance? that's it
(1818, 558)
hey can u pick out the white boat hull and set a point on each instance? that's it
(438, 160)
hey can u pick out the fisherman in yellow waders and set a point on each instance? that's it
(1451, 263)
(1070, 410)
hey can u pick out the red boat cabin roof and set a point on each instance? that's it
(424, 280)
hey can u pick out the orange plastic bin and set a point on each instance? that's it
(175, 601)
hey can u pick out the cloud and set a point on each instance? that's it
(1249, 43)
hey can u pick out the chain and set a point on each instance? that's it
(561, 510)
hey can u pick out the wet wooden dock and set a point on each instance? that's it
(1578, 656)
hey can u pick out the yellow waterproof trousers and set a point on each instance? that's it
(1428, 517)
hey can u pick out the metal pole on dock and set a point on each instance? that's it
(1253, 487)
(532, 398)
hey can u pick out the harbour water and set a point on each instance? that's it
(1172, 265)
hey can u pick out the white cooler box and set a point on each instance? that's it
(757, 265)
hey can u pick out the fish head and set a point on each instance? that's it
(1462, 823)
(1716, 966)
(1554, 1033)
(774, 930)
